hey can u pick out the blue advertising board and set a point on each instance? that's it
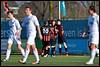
(73, 32)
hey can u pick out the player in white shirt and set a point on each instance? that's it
(15, 31)
(93, 23)
(32, 26)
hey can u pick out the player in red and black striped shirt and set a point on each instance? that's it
(53, 34)
(46, 39)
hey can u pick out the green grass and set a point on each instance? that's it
(51, 61)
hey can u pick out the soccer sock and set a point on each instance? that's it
(45, 51)
(60, 51)
(36, 55)
(97, 51)
(23, 53)
(8, 54)
(65, 45)
(53, 51)
(93, 53)
(66, 50)
(48, 51)
(26, 55)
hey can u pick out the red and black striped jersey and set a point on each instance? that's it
(53, 32)
(45, 30)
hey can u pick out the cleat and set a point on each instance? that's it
(4, 60)
(22, 62)
(53, 56)
(89, 62)
(45, 55)
(66, 54)
(36, 62)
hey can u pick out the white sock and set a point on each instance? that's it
(36, 55)
(97, 51)
(59, 45)
(93, 53)
(26, 55)
(23, 53)
(65, 45)
(8, 54)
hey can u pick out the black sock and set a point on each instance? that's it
(45, 51)
(48, 51)
(60, 51)
(66, 50)
(53, 51)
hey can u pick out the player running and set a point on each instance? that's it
(93, 23)
(31, 23)
(15, 31)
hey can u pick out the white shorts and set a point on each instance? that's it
(14, 37)
(94, 39)
(31, 39)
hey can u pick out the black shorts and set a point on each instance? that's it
(46, 43)
(60, 39)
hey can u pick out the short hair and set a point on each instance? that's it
(92, 8)
(29, 7)
(10, 12)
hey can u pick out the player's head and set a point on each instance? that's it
(91, 10)
(46, 23)
(58, 22)
(28, 10)
(10, 14)
(53, 22)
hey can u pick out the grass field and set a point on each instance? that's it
(71, 60)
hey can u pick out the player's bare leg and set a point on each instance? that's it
(66, 49)
(93, 53)
(53, 51)
(60, 49)
(36, 55)
(47, 51)
(26, 54)
(8, 52)
(43, 50)
(21, 49)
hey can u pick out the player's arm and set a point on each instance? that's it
(39, 32)
(62, 30)
(24, 23)
(18, 28)
(38, 27)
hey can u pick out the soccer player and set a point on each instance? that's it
(93, 23)
(61, 38)
(30, 22)
(53, 34)
(15, 30)
(46, 39)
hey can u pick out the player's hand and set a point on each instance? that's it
(83, 34)
(17, 33)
